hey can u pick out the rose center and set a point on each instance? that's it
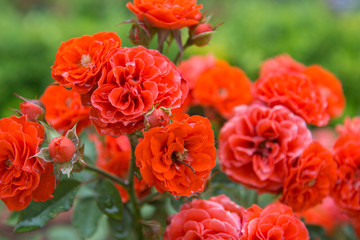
(85, 60)
(178, 156)
(222, 92)
(8, 163)
(264, 149)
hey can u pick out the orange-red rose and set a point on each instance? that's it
(22, 176)
(330, 86)
(216, 218)
(140, 78)
(168, 14)
(114, 157)
(311, 178)
(223, 87)
(322, 80)
(295, 91)
(191, 69)
(79, 62)
(327, 215)
(258, 144)
(276, 221)
(178, 158)
(347, 156)
(64, 109)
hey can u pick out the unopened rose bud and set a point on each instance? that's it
(139, 34)
(158, 118)
(201, 35)
(61, 149)
(31, 111)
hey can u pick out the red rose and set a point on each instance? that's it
(22, 176)
(114, 157)
(311, 178)
(258, 144)
(79, 62)
(297, 92)
(178, 158)
(140, 78)
(276, 221)
(64, 109)
(216, 218)
(212, 90)
(168, 14)
(346, 149)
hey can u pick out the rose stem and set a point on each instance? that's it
(107, 175)
(131, 189)
(178, 56)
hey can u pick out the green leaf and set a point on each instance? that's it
(108, 199)
(13, 219)
(37, 214)
(121, 229)
(317, 232)
(86, 217)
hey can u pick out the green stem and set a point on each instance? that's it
(151, 197)
(132, 195)
(107, 175)
(178, 59)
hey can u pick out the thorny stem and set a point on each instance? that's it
(107, 175)
(131, 189)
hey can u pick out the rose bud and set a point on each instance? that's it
(61, 149)
(139, 34)
(32, 111)
(201, 35)
(157, 118)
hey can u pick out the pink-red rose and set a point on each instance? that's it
(216, 218)
(276, 221)
(259, 143)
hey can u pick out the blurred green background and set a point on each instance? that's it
(326, 32)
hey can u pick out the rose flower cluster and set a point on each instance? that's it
(134, 104)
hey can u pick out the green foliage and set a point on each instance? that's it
(37, 214)
(108, 199)
(121, 229)
(86, 217)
